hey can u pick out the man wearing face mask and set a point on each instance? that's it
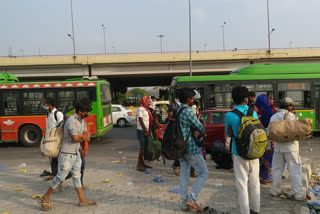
(75, 132)
(54, 118)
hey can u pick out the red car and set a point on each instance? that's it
(214, 126)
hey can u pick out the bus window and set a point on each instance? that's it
(105, 94)
(10, 100)
(66, 100)
(82, 94)
(299, 92)
(219, 95)
(33, 102)
(260, 88)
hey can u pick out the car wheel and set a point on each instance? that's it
(122, 122)
(30, 135)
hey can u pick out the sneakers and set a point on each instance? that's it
(275, 193)
(300, 196)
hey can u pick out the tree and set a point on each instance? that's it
(134, 92)
(120, 97)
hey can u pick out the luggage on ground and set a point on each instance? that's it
(152, 150)
(221, 156)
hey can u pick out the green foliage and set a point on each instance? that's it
(120, 97)
(134, 92)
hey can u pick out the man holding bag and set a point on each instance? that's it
(286, 153)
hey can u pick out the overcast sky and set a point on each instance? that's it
(28, 26)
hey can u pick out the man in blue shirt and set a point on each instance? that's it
(246, 171)
(190, 125)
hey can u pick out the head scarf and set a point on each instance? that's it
(264, 109)
(274, 105)
(144, 104)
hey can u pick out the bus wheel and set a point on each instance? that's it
(30, 136)
(122, 122)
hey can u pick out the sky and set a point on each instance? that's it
(33, 27)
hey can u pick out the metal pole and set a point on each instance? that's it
(190, 65)
(161, 43)
(204, 47)
(269, 47)
(73, 38)
(104, 39)
(223, 38)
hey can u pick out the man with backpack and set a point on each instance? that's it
(75, 132)
(54, 119)
(190, 126)
(246, 171)
(286, 153)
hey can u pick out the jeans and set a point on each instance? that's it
(186, 162)
(67, 163)
(142, 139)
(54, 166)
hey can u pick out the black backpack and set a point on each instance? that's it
(222, 156)
(173, 144)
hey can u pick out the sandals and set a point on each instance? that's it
(89, 203)
(45, 206)
(194, 206)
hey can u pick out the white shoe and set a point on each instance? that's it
(275, 193)
(300, 196)
(290, 194)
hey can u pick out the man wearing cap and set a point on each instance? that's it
(286, 153)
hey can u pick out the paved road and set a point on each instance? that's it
(134, 192)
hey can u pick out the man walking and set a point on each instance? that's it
(286, 153)
(246, 171)
(75, 132)
(190, 125)
(54, 119)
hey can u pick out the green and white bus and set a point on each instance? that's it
(23, 119)
(277, 81)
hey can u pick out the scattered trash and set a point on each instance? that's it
(3, 166)
(147, 171)
(23, 170)
(120, 152)
(130, 184)
(213, 211)
(36, 196)
(116, 161)
(175, 190)
(18, 189)
(157, 179)
(1, 186)
(113, 199)
(120, 175)
(106, 180)
(219, 185)
(22, 165)
(310, 149)
(124, 157)
(315, 203)
(124, 161)
(5, 213)
(313, 175)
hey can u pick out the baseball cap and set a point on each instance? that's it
(287, 101)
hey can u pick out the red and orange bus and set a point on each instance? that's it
(23, 118)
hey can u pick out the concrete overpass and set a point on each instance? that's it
(148, 69)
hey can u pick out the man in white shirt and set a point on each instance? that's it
(54, 118)
(144, 120)
(286, 153)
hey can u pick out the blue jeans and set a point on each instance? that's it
(142, 139)
(186, 162)
(67, 163)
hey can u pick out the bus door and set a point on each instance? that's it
(317, 105)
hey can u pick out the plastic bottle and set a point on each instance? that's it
(219, 185)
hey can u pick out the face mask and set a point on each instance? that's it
(86, 115)
(45, 108)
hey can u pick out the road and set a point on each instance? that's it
(133, 192)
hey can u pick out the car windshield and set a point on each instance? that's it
(217, 117)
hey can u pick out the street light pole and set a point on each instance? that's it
(204, 47)
(104, 39)
(160, 36)
(190, 65)
(22, 52)
(223, 44)
(74, 45)
(269, 33)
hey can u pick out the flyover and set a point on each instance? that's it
(130, 70)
